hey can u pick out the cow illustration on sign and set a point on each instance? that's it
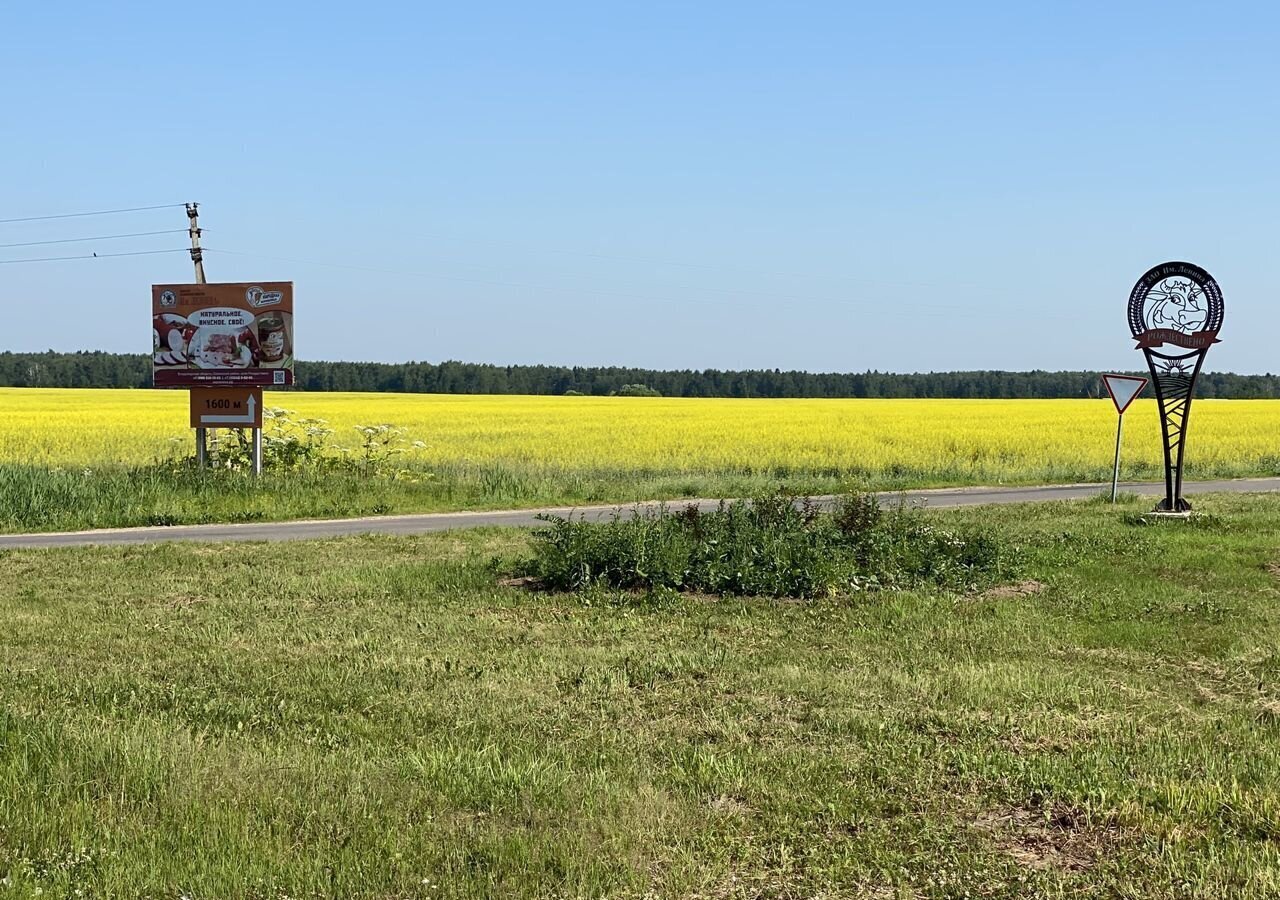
(1175, 312)
(1177, 303)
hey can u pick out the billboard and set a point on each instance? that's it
(225, 335)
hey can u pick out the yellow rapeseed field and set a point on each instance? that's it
(935, 441)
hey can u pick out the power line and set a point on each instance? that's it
(95, 256)
(100, 212)
(101, 237)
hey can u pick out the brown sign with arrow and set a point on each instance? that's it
(226, 407)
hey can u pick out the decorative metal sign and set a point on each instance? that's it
(1175, 312)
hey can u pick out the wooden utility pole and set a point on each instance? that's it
(197, 255)
(197, 259)
(202, 433)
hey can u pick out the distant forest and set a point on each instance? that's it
(122, 370)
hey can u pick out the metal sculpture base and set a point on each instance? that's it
(1174, 377)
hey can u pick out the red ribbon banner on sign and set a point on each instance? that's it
(1158, 337)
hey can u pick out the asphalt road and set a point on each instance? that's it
(419, 524)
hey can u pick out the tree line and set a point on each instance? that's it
(125, 370)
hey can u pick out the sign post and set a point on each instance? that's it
(1123, 389)
(1178, 304)
(224, 342)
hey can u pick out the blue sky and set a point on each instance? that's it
(825, 186)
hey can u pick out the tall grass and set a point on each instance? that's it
(35, 498)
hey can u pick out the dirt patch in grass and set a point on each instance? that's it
(1059, 839)
(170, 601)
(1011, 591)
(184, 601)
(731, 806)
(527, 582)
(1269, 710)
(1021, 744)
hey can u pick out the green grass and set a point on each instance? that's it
(380, 717)
(34, 498)
(38, 498)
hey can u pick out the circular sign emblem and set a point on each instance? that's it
(1176, 303)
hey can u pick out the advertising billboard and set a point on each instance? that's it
(222, 335)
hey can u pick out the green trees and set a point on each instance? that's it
(97, 369)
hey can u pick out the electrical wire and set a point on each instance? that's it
(100, 212)
(5, 262)
(101, 237)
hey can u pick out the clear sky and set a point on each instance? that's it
(824, 186)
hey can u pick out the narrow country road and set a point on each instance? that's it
(428, 522)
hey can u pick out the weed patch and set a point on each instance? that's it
(775, 545)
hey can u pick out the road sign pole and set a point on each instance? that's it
(257, 451)
(1115, 472)
(202, 448)
(1123, 390)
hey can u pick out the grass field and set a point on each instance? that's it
(380, 717)
(83, 458)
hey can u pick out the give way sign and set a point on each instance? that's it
(1124, 389)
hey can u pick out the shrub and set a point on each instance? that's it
(288, 443)
(291, 444)
(775, 545)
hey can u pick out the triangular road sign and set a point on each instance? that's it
(1123, 389)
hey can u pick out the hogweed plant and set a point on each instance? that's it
(293, 444)
(378, 448)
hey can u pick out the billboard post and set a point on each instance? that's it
(225, 342)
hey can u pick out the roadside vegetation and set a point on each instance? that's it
(389, 717)
(775, 545)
